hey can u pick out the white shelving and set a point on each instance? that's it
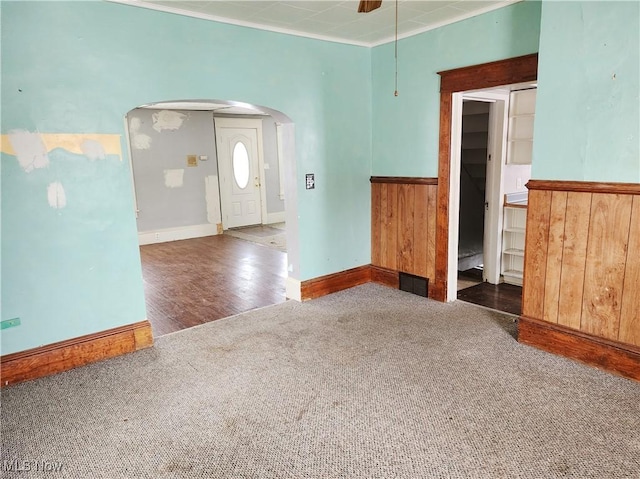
(513, 234)
(522, 107)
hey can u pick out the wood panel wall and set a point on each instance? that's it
(403, 224)
(582, 260)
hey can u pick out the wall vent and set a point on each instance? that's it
(414, 284)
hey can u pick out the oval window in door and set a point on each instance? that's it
(240, 161)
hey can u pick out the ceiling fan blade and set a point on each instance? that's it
(367, 6)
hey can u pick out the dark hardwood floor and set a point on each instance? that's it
(195, 281)
(503, 297)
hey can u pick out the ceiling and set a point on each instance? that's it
(337, 21)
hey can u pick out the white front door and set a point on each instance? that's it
(239, 169)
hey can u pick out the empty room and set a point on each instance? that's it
(133, 128)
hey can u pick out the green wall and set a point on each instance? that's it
(406, 128)
(78, 68)
(587, 112)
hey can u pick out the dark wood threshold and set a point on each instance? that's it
(64, 355)
(612, 356)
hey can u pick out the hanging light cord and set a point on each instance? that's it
(395, 93)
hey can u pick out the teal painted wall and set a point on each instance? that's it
(406, 128)
(79, 67)
(587, 123)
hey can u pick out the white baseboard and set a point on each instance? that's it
(272, 218)
(292, 288)
(174, 234)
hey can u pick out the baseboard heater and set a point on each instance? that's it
(414, 284)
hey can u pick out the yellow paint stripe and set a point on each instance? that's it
(70, 142)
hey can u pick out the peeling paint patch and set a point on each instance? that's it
(167, 120)
(93, 150)
(56, 195)
(29, 148)
(212, 199)
(139, 141)
(72, 142)
(173, 178)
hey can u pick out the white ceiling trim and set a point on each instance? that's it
(456, 19)
(231, 21)
(298, 33)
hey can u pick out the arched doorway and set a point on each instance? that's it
(172, 149)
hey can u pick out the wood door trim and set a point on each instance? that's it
(585, 186)
(618, 358)
(71, 353)
(404, 180)
(475, 77)
(487, 75)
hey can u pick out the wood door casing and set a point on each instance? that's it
(475, 77)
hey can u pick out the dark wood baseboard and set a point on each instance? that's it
(385, 276)
(331, 283)
(64, 355)
(612, 356)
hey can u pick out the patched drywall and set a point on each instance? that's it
(32, 148)
(169, 192)
(38, 152)
(139, 141)
(212, 199)
(28, 148)
(93, 149)
(56, 195)
(174, 178)
(168, 120)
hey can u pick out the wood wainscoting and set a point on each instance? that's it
(72, 353)
(403, 227)
(582, 272)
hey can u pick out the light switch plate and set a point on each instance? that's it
(310, 181)
(192, 160)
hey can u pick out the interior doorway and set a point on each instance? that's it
(474, 154)
(192, 273)
(452, 84)
(492, 133)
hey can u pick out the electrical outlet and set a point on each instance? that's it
(518, 183)
(10, 323)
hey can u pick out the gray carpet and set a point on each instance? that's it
(366, 383)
